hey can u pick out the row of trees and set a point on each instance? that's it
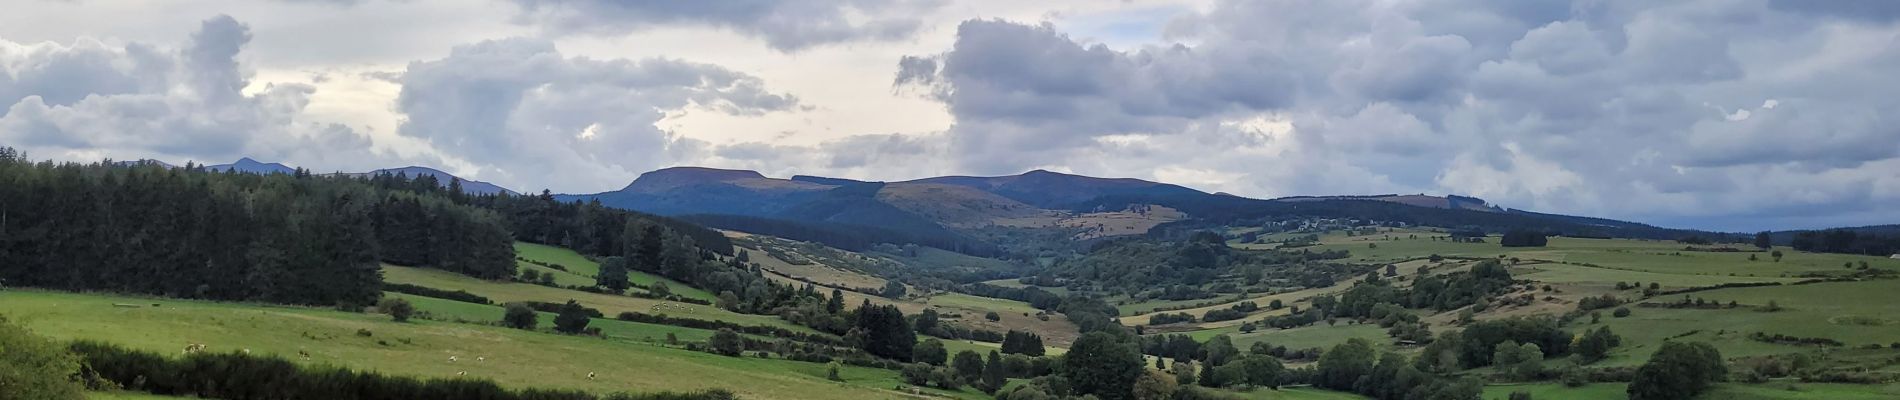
(185, 232)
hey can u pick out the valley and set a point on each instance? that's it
(955, 287)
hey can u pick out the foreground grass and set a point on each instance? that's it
(514, 358)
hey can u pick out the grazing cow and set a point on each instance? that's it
(451, 358)
(480, 359)
(194, 347)
(247, 351)
(305, 354)
(461, 373)
(590, 375)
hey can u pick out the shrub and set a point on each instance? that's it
(727, 343)
(398, 309)
(1621, 312)
(424, 291)
(34, 367)
(519, 316)
(572, 319)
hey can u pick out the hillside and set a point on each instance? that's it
(1054, 190)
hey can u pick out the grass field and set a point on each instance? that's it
(1726, 391)
(608, 304)
(514, 358)
(450, 310)
(964, 301)
(1634, 255)
(581, 270)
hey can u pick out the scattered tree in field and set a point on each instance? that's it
(930, 351)
(572, 319)
(968, 366)
(1776, 255)
(1762, 241)
(1621, 312)
(1025, 343)
(519, 316)
(886, 332)
(659, 288)
(35, 367)
(397, 308)
(992, 316)
(995, 373)
(1595, 345)
(726, 342)
(1679, 370)
(831, 370)
(1342, 366)
(1098, 363)
(613, 275)
(893, 289)
(836, 304)
(1154, 385)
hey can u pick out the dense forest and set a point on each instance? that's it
(292, 238)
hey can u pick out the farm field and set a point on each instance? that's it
(450, 310)
(585, 269)
(1625, 254)
(502, 292)
(421, 348)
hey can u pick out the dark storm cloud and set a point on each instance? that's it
(784, 25)
(1624, 108)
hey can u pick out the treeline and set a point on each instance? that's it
(238, 376)
(591, 228)
(188, 233)
(424, 291)
(1846, 241)
(284, 238)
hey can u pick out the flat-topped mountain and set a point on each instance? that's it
(249, 165)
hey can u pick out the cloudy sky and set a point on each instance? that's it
(1719, 114)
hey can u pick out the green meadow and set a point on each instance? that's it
(422, 348)
(581, 270)
(504, 291)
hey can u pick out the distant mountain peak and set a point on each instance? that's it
(249, 165)
(673, 177)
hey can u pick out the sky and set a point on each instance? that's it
(1732, 115)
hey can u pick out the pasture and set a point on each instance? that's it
(422, 348)
(504, 291)
(581, 270)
